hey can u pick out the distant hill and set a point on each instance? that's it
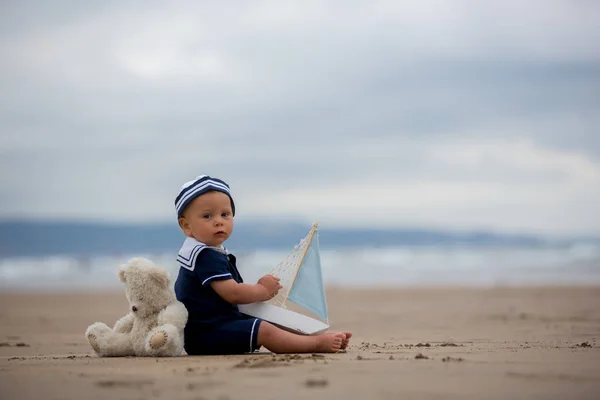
(28, 238)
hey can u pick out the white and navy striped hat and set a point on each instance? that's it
(202, 184)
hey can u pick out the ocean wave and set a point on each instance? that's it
(351, 267)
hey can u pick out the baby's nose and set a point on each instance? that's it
(134, 308)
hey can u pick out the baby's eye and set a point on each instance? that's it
(226, 214)
(206, 216)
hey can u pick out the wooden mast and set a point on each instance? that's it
(309, 236)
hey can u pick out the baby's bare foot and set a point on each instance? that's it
(330, 342)
(347, 340)
(347, 336)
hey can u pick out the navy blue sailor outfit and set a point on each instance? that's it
(214, 325)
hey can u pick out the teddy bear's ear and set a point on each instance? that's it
(122, 274)
(132, 263)
(159, 276)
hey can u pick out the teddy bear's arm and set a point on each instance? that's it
(175, 314)
(125, 324)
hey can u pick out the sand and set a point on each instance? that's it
(418, 343)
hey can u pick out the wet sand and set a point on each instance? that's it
(416, 343)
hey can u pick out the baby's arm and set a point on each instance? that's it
(242, 293)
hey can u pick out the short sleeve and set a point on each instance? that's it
(212, 265)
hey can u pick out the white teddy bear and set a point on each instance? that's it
(154, 326)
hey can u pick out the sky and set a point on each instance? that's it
(380, 114)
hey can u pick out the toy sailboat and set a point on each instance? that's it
(302, 281)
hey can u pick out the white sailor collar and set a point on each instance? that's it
(190, 249)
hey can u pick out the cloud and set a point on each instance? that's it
(461, 114)
(487, 184)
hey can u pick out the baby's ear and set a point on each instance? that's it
(184, 225)
(160, 277)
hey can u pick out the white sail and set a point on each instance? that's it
(302, 281)
(307, 289)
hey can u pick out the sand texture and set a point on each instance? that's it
(498, 343)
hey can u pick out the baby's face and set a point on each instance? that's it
(208, 218)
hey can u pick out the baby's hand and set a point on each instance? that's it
(271, 283)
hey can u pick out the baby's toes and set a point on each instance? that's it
(346, 341)
(337, 344)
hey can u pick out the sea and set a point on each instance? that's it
(348, 267)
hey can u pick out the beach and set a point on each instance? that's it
(414, 343)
